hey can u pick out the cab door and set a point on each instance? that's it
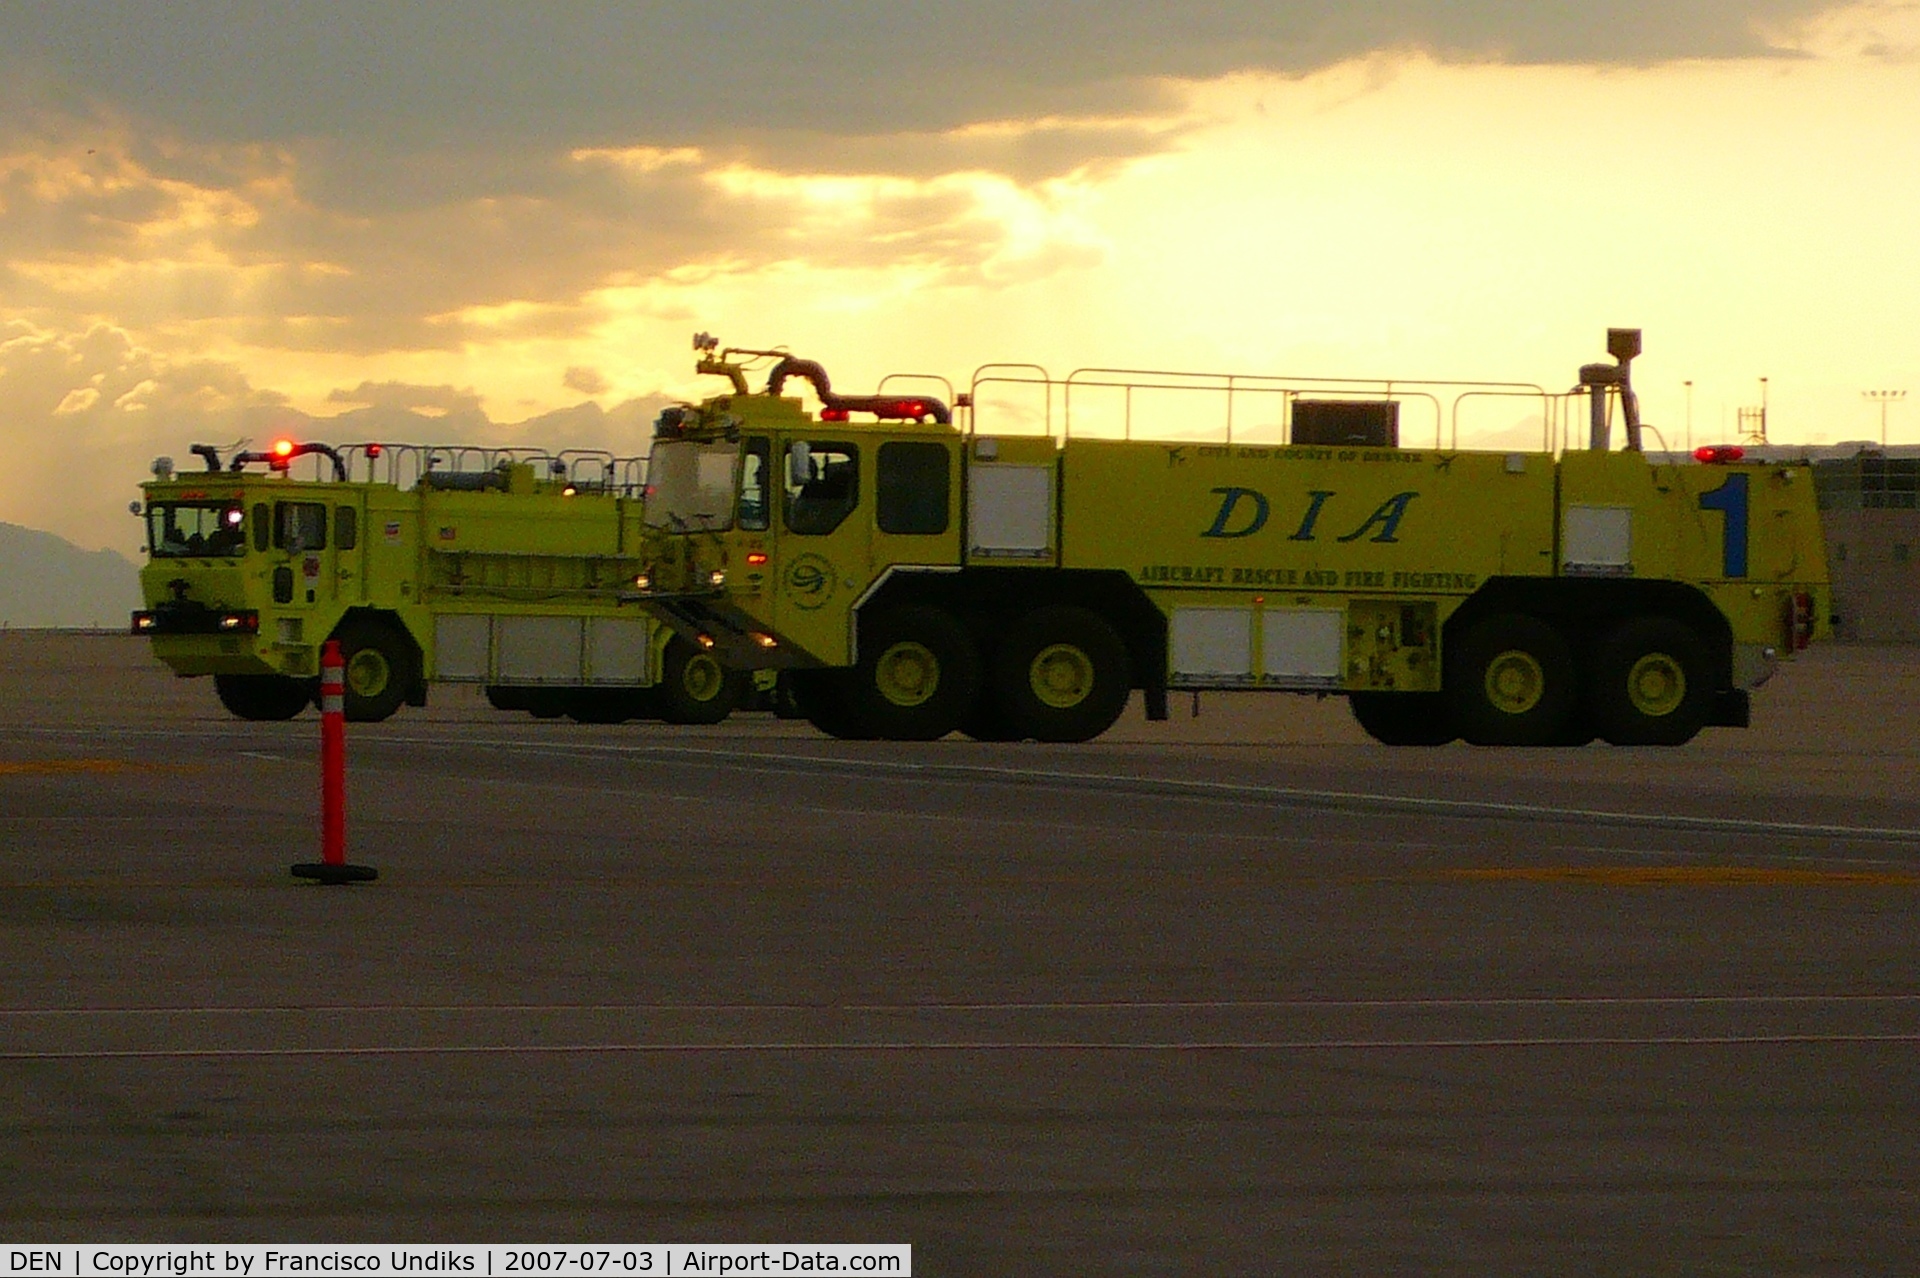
(823, 535)
(304, 562)
(349, 555)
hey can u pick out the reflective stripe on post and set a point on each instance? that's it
(333, 755)
(333, 867)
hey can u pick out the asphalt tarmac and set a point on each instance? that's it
(1236, 993)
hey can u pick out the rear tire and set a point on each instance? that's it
(1649, 684)
(505, 697)
(545, 703)
(1510, 681)
(1404, 718)
(606, 705)
(918, 675)
(263, 697)
(1060, 674)
(694, 687)
(825, 699)
(380, 669)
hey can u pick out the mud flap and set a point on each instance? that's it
(1731, 708)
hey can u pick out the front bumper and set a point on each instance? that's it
(169, 619)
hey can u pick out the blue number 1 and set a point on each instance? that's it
(1730, 499)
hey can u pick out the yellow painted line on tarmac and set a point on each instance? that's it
(58, 767)
(1687, 876)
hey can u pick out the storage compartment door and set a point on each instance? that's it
(540, 649)
(1009, 511)
(1301, 646)
(1212, 645)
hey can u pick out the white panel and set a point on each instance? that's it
(460, 647)
(620, 648)
(539, 649)
(1010, 509)
(1301, 643)
(1213, 641)
(1597, 537)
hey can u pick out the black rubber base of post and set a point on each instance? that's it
(323, 873)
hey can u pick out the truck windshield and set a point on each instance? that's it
(690, 485)
(188, 529)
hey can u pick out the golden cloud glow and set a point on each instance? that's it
(1389, 216)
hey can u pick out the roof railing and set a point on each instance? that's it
(1242, 408)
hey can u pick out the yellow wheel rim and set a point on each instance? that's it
(1657, 685)
(368, 672)
(1061, 676)
(1515, 682)
(907, 674)
(702, 678)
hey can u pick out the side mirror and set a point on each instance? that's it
(133, 508)
(799, 464)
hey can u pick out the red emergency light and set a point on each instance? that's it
(1718, 454)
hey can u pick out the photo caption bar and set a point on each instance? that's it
(475, 1260)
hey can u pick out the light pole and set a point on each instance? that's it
(1689, 385)
(1883, 398)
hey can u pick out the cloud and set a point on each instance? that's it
(226, 249)
(587, 381)
(607, 71)
(87, 411)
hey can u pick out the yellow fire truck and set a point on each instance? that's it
(508, 568)
(1020, 575)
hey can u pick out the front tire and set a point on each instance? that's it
(1510, 681)
(1649, 683)
(1404, 718)
(918, 676)
(694, 686)
(1060, 674)
(263, 697)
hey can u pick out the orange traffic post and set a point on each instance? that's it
(332, 866)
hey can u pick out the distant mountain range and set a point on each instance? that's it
(48, 581)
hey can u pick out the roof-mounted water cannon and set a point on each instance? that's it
(707, 346)
(281, 456)
(835, 408)
(1597, 379)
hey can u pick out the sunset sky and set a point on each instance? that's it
(501, 222)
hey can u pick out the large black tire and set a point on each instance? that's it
(1060, 673)
(506, 697)
(263, 697)
(607, 705)
(1405, 718)
(694, 687)
(918, 675)
(380, 669)
(786, 703)
(546, 703)
(1649, 683)
(825, 699)
(1510, 681)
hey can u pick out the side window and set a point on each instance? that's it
(912, 487)
(822, 485)
(262, 527)
(300, 525)
(346, 527)
(754, 512)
